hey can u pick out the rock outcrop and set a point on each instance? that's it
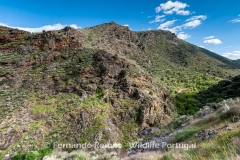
(74, 89)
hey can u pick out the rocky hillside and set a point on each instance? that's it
(100, 84)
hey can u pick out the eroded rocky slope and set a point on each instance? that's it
(55, 88)
(98, 84)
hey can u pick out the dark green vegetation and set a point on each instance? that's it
(186, 71)
(101, 83)
(34, 155)
(238, 60)
(189, 103)
(222, 90)
(183, 135)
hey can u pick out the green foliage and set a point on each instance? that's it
(187, 103)
(223, 90)
(33, 155)
(183, 70)
(100, 92)
(186, 133)
(115, 56)
(129, 131)
(122, 73)
(151, 92)
(45, 151)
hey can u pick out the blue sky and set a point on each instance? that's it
(212, 24)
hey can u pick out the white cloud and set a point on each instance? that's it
(164, 26)
(182, 12)
(202, 17)
(232, 55)
(237, 20)
(209, 37)
(158, 18)
(202, 46)
(183, 36)
(126, 25)
(192, 24)
(40, 29)
(212, 41)
(171, 7)
(194, 21)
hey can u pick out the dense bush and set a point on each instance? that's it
(187, 103)
(122, 73)
(182, 135)
(34, 155)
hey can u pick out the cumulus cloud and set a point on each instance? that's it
(212, 41)
(126, 25)
(164, 26)
(183, 36)
(202, 46)
(232, 55)
(209, 37)
(173, 7)
(158, 18)
(40, 29)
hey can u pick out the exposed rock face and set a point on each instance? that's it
(76, 89)
(148, 37)
(206, 134)
(23, 42)
(56, 40)
(11, 35)
(9, 38)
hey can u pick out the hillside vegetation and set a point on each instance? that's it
(101, 84)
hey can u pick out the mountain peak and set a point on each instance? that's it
(68, 28)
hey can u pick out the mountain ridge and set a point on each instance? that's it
(97, 84)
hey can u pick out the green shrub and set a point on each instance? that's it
(34, 156)
(115, 57)
(100, 92)
(26, 156)
(187, 103)
(183, 135)
(122, 73)
(43, 152)
(151, 92)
